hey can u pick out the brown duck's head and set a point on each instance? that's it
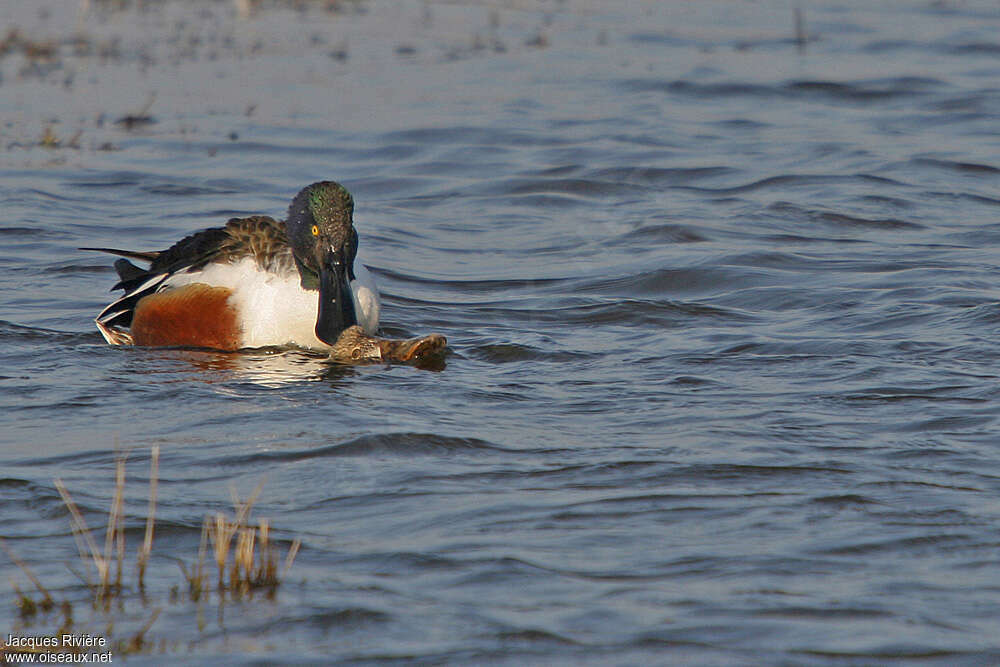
(355, 346)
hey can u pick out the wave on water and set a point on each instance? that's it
(861, 92)
(374, 445)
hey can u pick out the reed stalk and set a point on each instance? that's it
(84, 541)
(114, 534)
(47, 601)
(147, 543)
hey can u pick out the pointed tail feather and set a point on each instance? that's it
(131, 254)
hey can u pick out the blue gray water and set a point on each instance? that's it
(721, 385)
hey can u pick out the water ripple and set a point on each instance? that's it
(720, 298)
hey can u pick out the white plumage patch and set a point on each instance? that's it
(274, 309)
(367, 306)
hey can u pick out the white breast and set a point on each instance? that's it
(367, 305)
(274, 309)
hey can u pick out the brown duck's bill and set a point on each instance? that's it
(355, 346)
(413, 348)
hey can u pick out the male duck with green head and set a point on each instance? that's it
(258, 282)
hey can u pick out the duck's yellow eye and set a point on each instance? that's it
(315, 230)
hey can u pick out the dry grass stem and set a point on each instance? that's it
(114, 535)
(47, 601)
(290, 558)
(147, 543)
(196, 577)
(243, 509)
(243, 573)
(221, 532)
(84, 540)
(267, 566)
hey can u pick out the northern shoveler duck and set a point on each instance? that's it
(258, 282)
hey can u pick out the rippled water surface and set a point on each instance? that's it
(720, 303)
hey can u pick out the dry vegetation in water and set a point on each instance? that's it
(245, 557)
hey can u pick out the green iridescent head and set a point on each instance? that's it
(320, 229)
(322, 211)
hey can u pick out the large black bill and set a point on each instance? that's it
(336, 306)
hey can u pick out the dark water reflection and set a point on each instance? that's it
(721, 314)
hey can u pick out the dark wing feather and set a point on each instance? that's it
(126, 270)
(192, 252)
